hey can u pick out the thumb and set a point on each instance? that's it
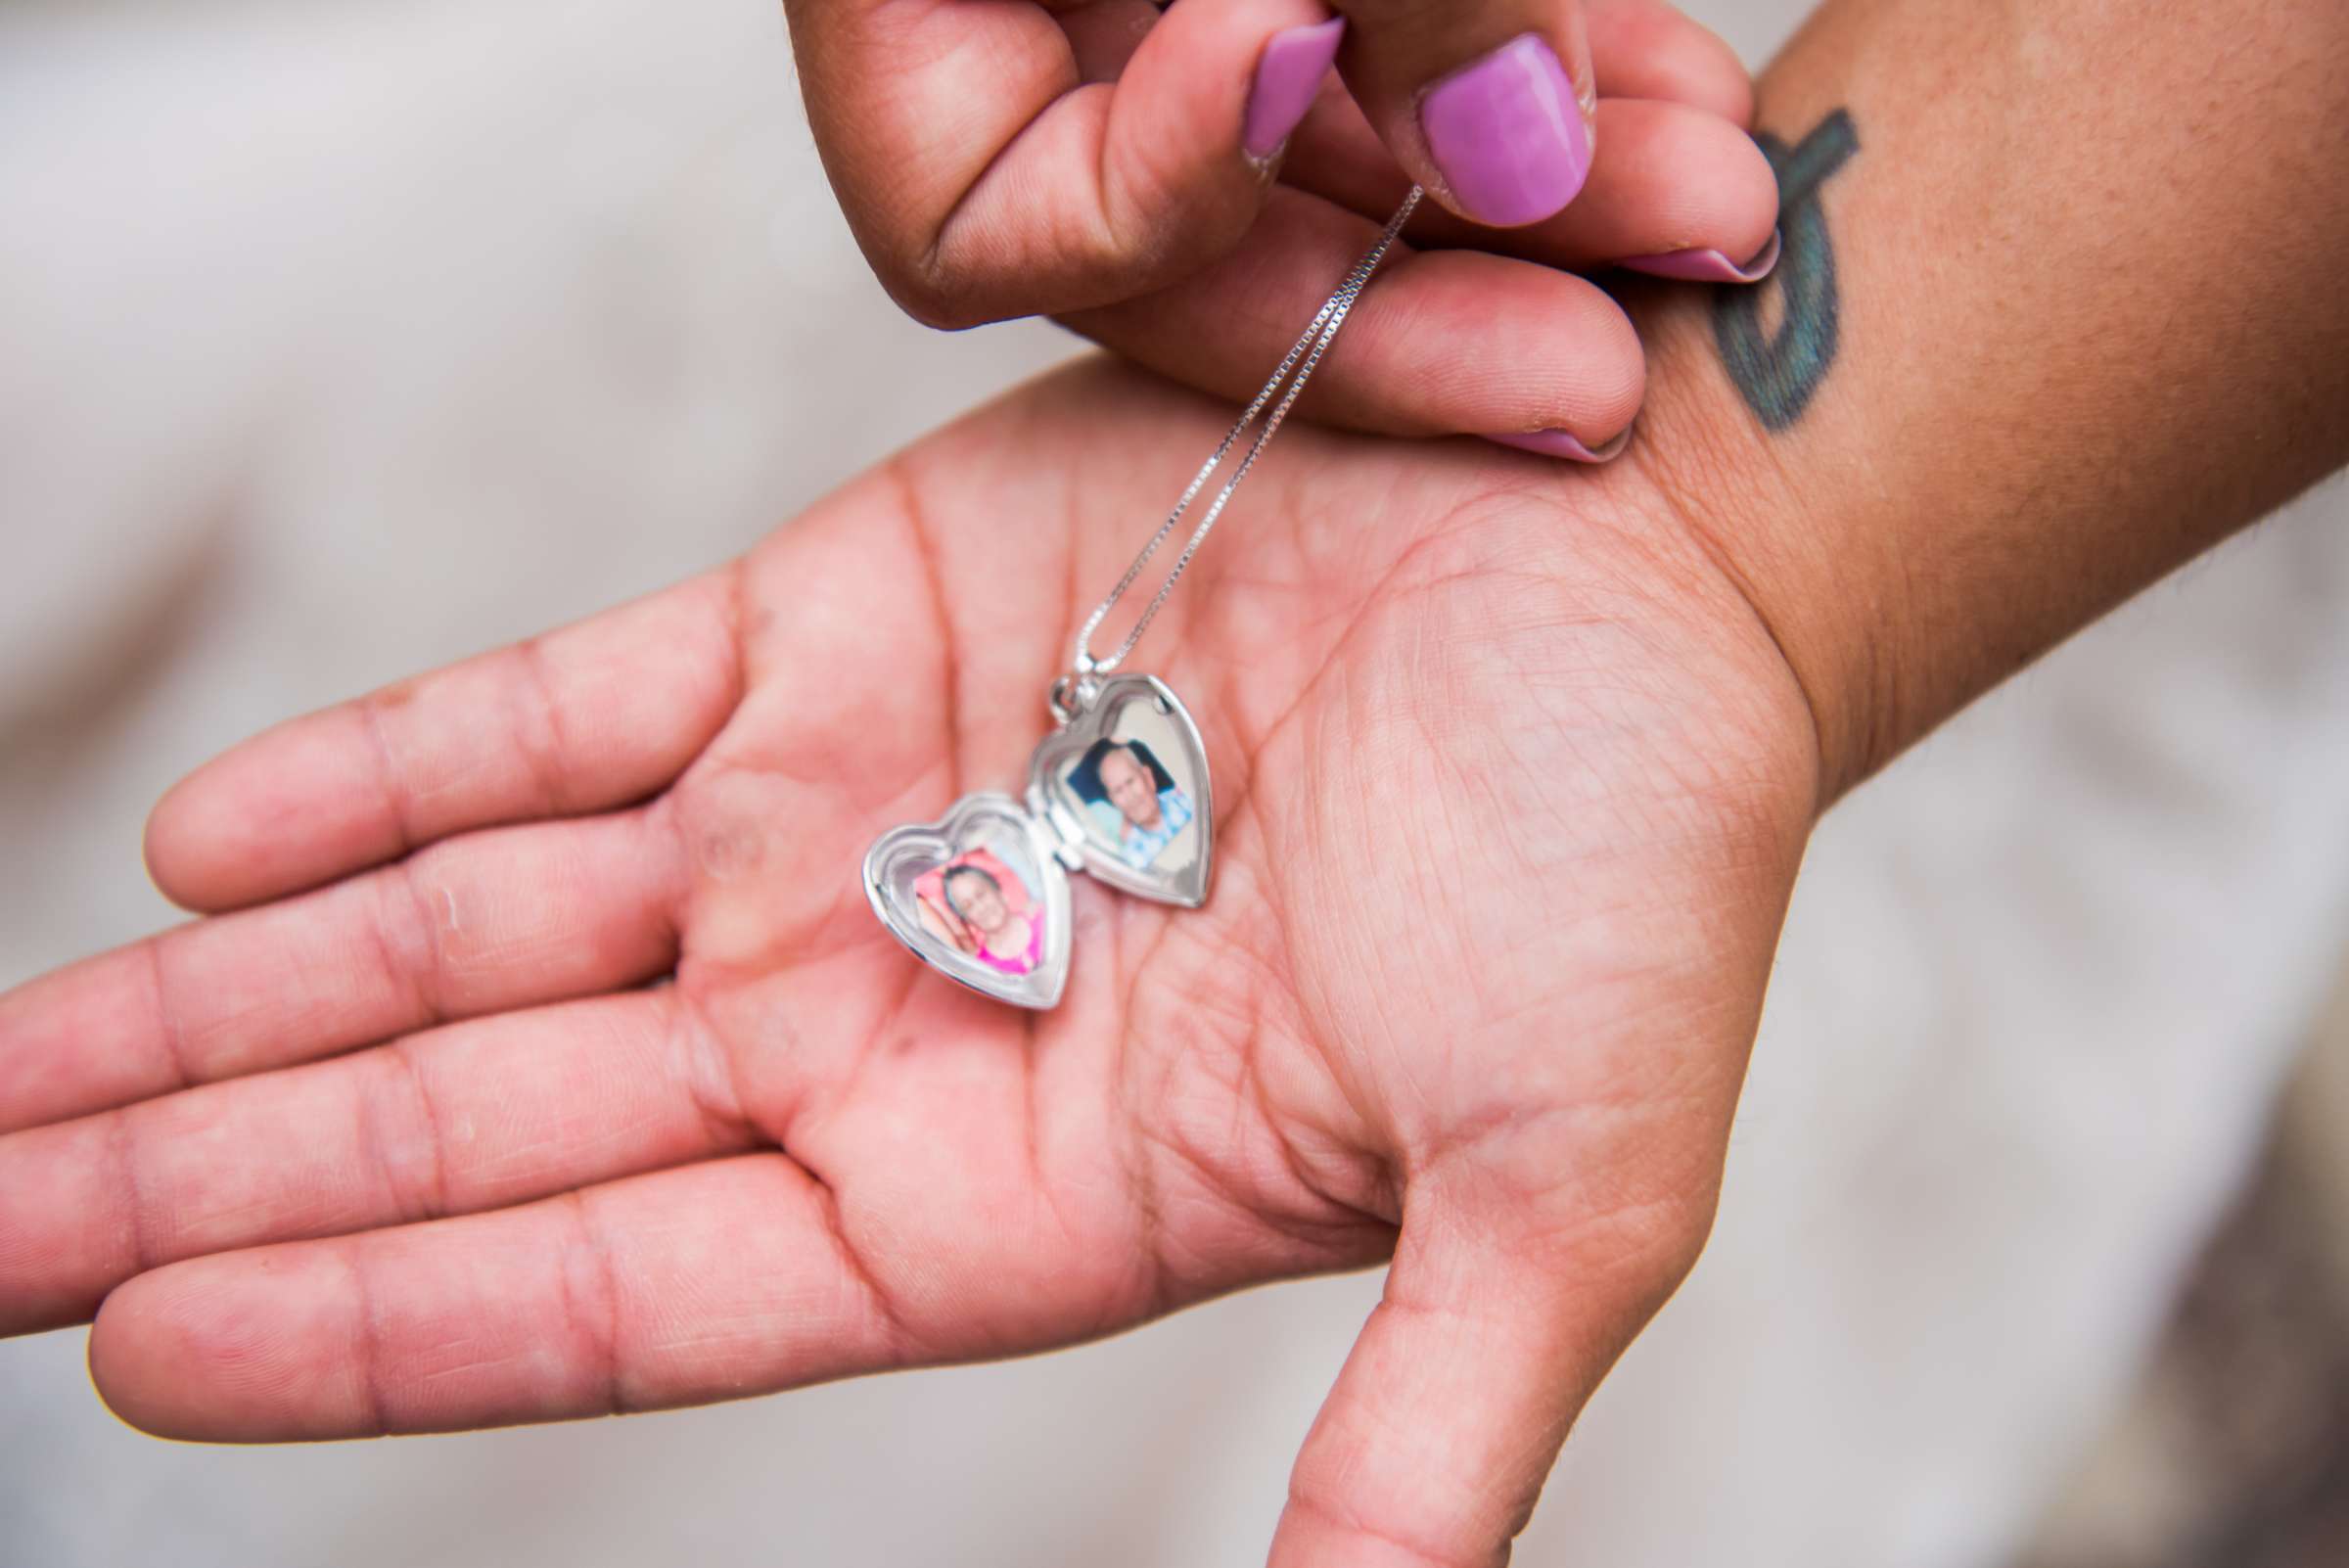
(1433, 1447)
(1489, 104)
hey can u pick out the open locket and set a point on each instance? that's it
(1120, 790)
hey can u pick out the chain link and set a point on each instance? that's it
(1301, 358)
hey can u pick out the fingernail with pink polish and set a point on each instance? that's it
(1508, 134)
(1564, 443)
(1707, 266)
(1288, 74)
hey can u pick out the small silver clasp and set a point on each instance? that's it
(1073, 694)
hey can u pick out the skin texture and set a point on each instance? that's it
(448, 1163)
(2022, 353)
(1083, 161)
(1515, 688)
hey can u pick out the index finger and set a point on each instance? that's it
(585, 719)
(1003, 158)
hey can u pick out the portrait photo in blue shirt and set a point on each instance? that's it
(1131, 800)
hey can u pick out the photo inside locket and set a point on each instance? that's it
(986, 904)
(1133, 791)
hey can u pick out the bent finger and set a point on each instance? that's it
(1441, 343)
(1647, 49)
(986, 169)
(1678, 185)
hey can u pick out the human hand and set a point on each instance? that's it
(1512, 785)
(1115, 166)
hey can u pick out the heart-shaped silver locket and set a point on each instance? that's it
(981, 895)
(1120, 790)
(1123, 784)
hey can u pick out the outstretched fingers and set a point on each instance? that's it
(503, 918)
(712, 1281)
(498, 1111)
(594, 716)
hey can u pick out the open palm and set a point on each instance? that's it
(551, 1063)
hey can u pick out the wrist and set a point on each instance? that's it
(1633, 551)
(1828, 612)
(2006, 372)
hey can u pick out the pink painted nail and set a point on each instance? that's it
(1288, 74)
(1707, 266)
(1564, 443)
(1508, 134)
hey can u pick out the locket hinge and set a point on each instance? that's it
(1063, 833)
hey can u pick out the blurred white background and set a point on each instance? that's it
(339, 338)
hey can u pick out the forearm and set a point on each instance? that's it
(2059, 306)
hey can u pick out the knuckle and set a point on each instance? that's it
(405, 1134)
(933, 303)
(407, 927)
(933, 285)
